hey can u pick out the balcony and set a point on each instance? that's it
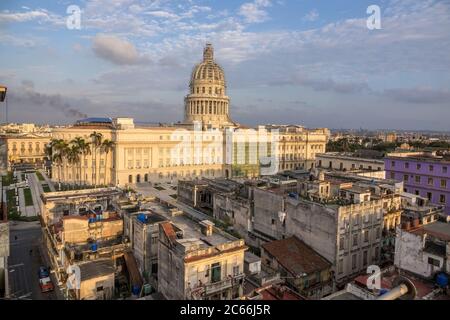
(203, 290)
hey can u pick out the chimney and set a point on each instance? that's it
(206, 227)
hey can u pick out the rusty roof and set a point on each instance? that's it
(295, 256)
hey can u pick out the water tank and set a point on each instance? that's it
(136, 290)
(94, 247)
(92, 220)
(442, 280)
(142, 217)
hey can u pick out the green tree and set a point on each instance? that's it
(96, 143)
(106, 147)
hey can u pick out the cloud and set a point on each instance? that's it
(419, 95)
(254, 12)
(162, 14)
(311, 16)
(39, 15)
(116, 50)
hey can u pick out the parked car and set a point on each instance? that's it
(43, 272)
(46, 284)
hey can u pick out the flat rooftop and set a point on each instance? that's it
(191, 229)
(438, 229)
(71, 194)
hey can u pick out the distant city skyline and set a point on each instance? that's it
(313, 63)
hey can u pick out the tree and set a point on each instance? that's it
(73, 158)
(83, 150)
(59, 153)
(106, 147)
(96, 143)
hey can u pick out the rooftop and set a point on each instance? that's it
(192, 234)
(295, 256)
(91, 270)
(438, 229)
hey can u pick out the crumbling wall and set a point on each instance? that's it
(315, 224)
(409, 253)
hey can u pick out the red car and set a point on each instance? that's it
(46, 284)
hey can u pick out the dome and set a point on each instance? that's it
(208, 70)
(207, 101)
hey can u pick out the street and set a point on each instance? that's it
(24, 264)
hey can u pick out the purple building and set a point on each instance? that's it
(422, 174)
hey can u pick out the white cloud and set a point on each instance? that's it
(116, 50)
(254, 12)
(313, 15)
(162, 14)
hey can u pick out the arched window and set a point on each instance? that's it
(146, 177)
(130, 179)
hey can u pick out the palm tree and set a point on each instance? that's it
(59, 151)
(73, 158)
(96, 142)
(83, 149)
(106, 147)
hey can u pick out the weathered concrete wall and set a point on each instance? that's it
(77, 230)
(88, 288)
(267, 207)
(315, 224)
(409, 254)
(236, 211)
(4, 239)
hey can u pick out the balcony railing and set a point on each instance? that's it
(211, 288)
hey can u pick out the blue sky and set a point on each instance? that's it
(306, 62)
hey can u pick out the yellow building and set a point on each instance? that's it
(206, 144)
(23, 148)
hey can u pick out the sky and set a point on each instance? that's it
(308, 62)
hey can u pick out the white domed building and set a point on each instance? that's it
(207, 100)
(174, 152)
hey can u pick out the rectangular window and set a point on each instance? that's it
(365, 258)
(236, 271)
(419, 166)
(341, 266)
(378, 233)
(355, 239)
(442, 198)
(392, 175)
(366, 235)
(434, 262)
(444, 169)
(430, 181)
(393, 163)
(417, 179)
(443, 183)
(429, 196)
(342, 243)
(376, 253)
(354, 262)
(431, 167)
(406, 165)
(405, 177)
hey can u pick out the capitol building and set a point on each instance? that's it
(207, 143)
